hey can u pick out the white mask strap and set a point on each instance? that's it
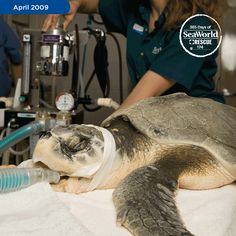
(109, 156)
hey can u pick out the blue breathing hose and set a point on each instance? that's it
(20, 134)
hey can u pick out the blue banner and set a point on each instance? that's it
(34, 6)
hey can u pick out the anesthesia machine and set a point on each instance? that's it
(52, 90)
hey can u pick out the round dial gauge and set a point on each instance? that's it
(65, 102)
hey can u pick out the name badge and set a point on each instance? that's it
(138, 28)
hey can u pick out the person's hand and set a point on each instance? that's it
(51, 20)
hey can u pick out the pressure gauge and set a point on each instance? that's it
(65, 102)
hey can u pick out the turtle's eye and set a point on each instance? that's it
(66, 150)
(73, 145)
(83, 144)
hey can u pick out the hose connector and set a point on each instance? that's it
(107, 102)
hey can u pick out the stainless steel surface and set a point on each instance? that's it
(54, 53)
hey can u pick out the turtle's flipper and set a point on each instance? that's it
(145, 204)
(144, 200)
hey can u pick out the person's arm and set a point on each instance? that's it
(11, 43)
(80, 6)
(151, 84)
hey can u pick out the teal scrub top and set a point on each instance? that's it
(159, 51)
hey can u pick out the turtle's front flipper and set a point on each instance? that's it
(145, 204)
(144, 200)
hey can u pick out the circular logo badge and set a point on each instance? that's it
(200, 35)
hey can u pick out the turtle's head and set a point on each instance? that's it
(74, 150)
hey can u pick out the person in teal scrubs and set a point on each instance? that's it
(157, 62)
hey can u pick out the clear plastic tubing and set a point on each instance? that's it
(13, 179)
(25, 131)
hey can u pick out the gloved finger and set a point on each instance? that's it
(50, 22)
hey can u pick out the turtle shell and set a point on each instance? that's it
(181, 119)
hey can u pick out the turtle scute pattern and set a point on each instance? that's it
(206, 131)
(178, 118)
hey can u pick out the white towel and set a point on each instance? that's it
(205, 213)
(210, 212)
(37, 211)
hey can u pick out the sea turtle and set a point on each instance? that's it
(160, 144)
